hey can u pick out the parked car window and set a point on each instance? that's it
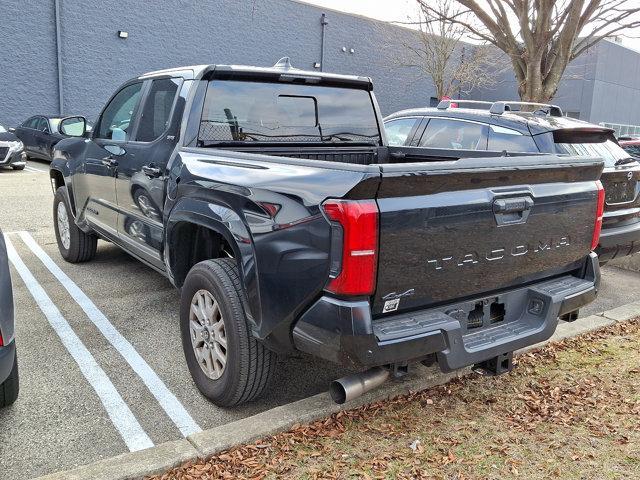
(54, 123)
(398, 130)
(632, 149)
(31, 123)
(115, 122)
(275, 112)
(455, 134)
(157, 109)
(608, 150)
(42, 125)
(501, 139)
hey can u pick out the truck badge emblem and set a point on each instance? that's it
(629, 175)
(391, 305)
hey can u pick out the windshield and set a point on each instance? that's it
(609, 151)
(276, 112)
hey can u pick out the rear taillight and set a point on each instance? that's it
(599, 213)
(354, 255)
(1, 341)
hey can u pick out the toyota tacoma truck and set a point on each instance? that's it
(270, 198)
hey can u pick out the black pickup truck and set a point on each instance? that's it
(270, 198)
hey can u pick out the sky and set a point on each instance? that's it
(398, 11)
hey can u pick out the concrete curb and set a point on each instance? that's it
(160, 458)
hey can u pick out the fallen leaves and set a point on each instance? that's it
(570, 409)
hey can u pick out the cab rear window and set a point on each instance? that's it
(245, 111)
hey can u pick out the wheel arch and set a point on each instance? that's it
(58, 180)
(198, 230)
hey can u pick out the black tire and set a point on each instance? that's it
(82, 246)
(18, 167)
(10, 387)
(249, 364)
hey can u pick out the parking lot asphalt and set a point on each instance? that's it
(101, 364)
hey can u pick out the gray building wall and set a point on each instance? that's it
(171, 33)
(600, 86)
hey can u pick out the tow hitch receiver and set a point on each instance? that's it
(496, 365)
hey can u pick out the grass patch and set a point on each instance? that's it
(570, 410)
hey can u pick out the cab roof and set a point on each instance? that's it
(282, 71)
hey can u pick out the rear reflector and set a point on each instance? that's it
(599, 213)
(355, 237)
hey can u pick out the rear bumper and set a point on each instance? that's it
(7, 359)
(344, 332)
(619, 241)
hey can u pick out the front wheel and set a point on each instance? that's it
(229, 366)
(18, 167)
(75, 246)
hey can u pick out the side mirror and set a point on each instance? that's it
(73, 126)
(12, 129)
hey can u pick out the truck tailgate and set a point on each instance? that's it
(459, 229)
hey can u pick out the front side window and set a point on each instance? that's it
(157, 109)
(398, 130)
(116, 120)
(454, 134)
(242, 111)
(506, 139)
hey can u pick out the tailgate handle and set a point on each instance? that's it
(510, 211)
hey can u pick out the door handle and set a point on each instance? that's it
(110, 162)
(398, 155)
(151, 171)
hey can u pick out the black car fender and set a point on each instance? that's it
(228, 224)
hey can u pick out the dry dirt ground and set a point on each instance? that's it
(571, 410)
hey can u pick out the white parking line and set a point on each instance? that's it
(119, 413)
(167, 400)
(34, 170)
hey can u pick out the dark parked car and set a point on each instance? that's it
(270, 198)
(39, 134)
(11, 150)
(486, 128)
(631, 146)
(9, 384)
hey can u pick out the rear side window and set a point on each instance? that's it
(454, 134)
(501, 139)
(398, 130)
(156, 112)
(31, 123)
(242, 111)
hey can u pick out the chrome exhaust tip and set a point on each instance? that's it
(347, 388)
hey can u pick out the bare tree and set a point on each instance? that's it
(540, 37)
(440, 53)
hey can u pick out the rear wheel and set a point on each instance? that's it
(75, 246)
(228, 365)
(10, 387)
